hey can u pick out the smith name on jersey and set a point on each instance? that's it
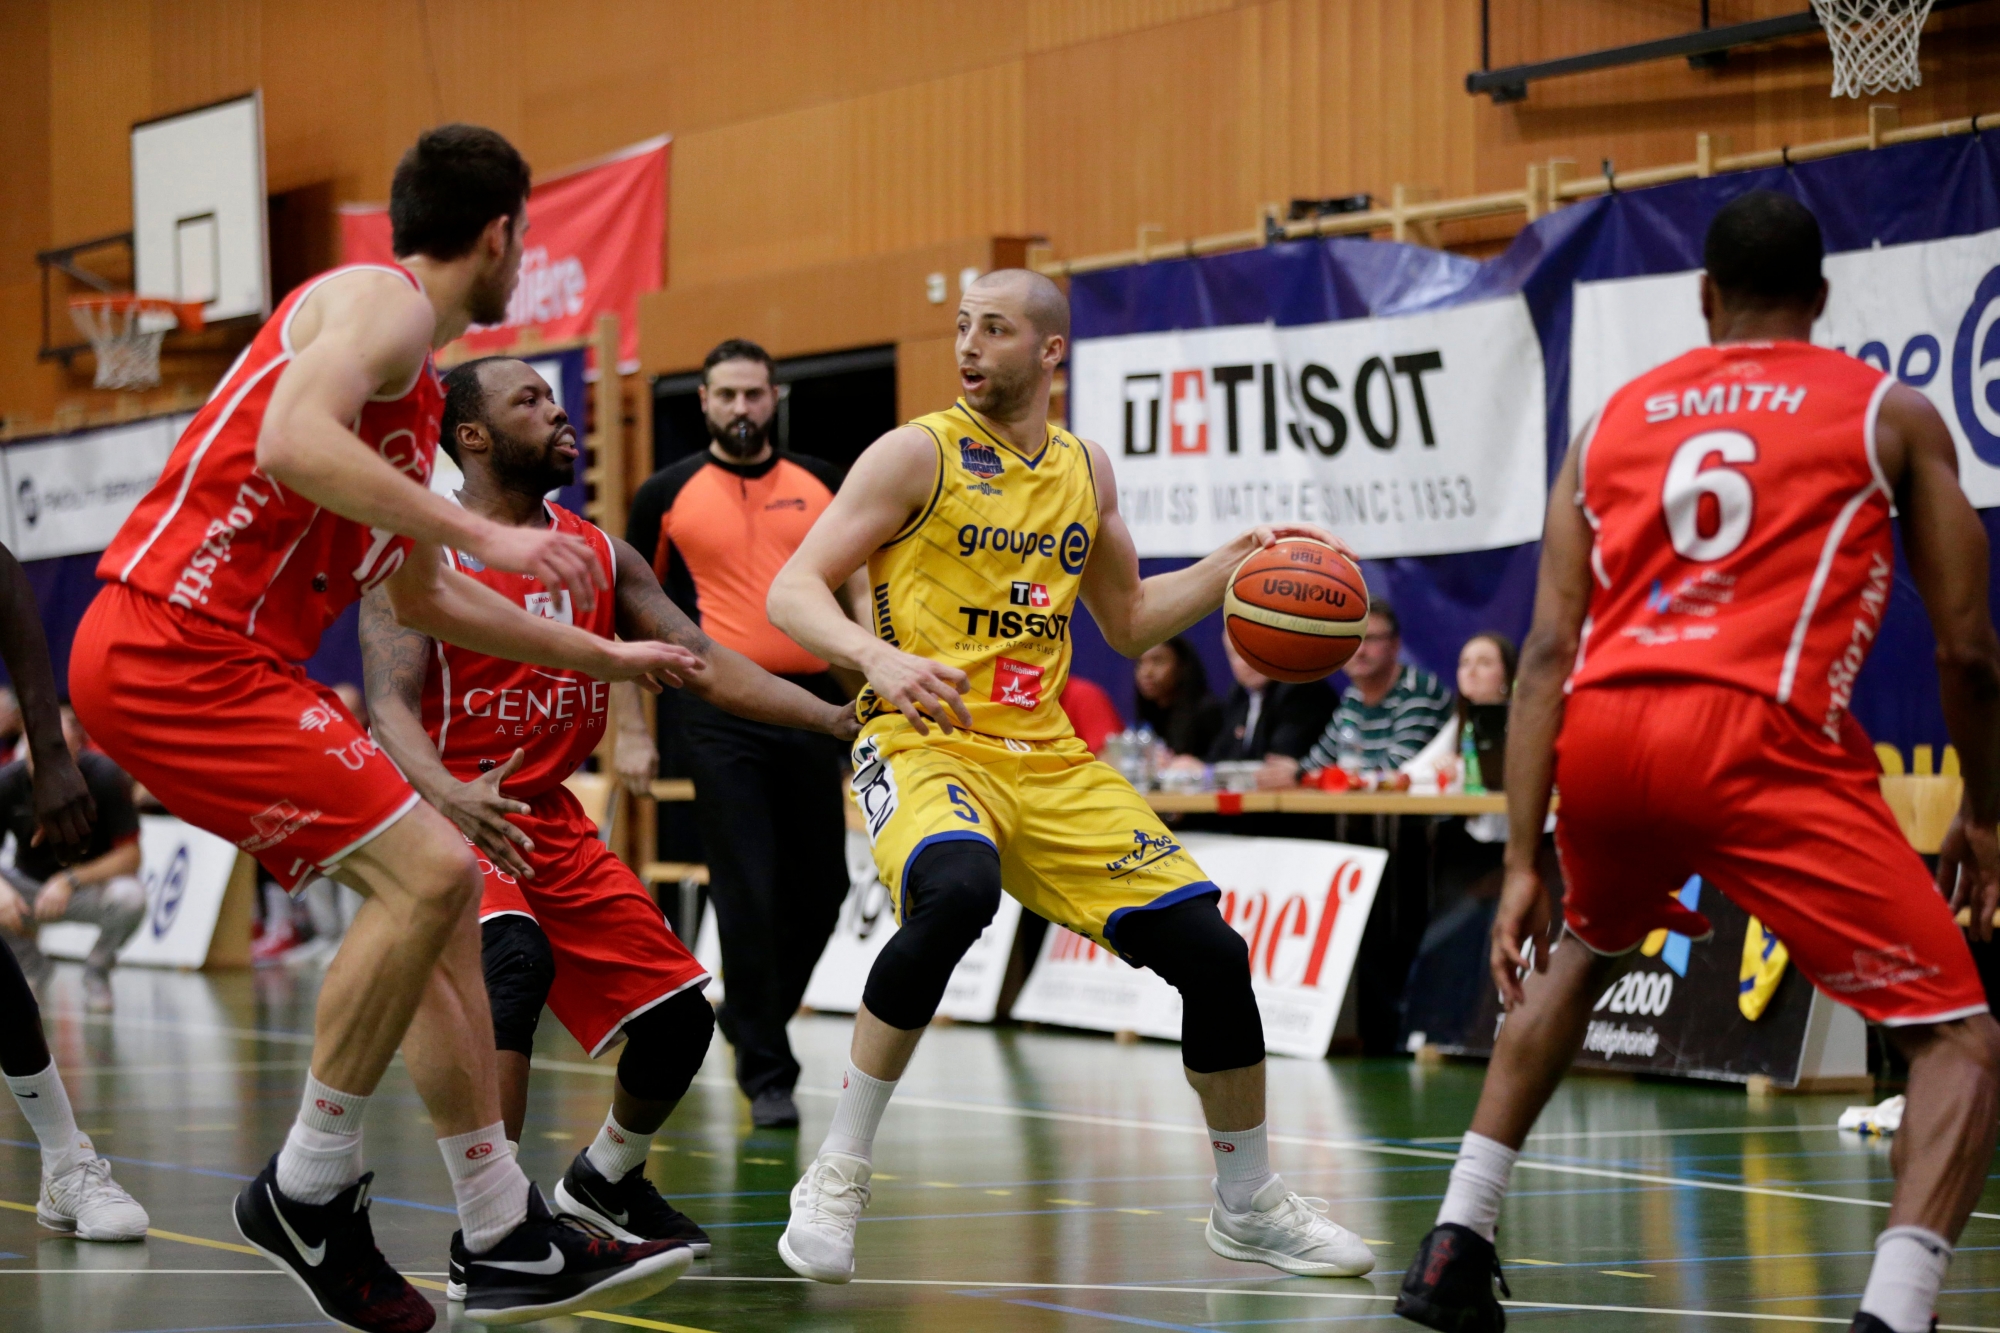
(985, 577)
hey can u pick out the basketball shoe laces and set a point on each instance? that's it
(1305, 1214)
(834, 1198)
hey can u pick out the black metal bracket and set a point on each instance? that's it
(1704, 49)
(63, 260)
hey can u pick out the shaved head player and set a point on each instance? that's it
(979, 527)
(300, 486)
(1716, 562)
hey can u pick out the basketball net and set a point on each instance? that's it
(1874, 43)
(125, 332)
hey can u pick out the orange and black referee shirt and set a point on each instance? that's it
(718, 533)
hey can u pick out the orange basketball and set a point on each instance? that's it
(1296, 610)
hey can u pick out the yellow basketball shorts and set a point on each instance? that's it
(1077, 844)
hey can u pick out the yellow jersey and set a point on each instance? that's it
(985, 577)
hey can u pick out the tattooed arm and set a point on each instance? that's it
(732, 681)
(395, 660)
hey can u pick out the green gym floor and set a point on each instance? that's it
(1026, 1181)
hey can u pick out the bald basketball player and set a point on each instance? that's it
(980, 526)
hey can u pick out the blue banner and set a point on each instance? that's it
(1946, 344)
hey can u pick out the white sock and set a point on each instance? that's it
(492, 1193)
(616, 1149)
(1478, 1183)
(1242, 1166)
(42, 1099)
(1903, 1285)
(322, 1154)
(858, 1114)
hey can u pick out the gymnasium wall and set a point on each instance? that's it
(828, 155)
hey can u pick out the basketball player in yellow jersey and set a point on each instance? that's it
(980, 526)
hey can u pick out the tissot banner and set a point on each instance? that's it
(1300, 905)
(597, 240)
(1326, 379)
(1413, 435)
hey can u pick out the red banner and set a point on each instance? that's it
(597, 239)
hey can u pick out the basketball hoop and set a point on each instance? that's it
(1874, 43)
(125, 330)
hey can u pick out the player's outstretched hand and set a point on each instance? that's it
(1266, 533)
(1968, 872)
(64, 809)
(558, 559)
(653, 664)
(1520, 932)
(480, 812)
(921, 689)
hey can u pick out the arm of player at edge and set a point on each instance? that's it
(1562, 599)
(434, 599)
(1946, 546)
(395, 659)
(64, 808)
(359, 335)
(889, 485)
(1135, 614)
(730, 681)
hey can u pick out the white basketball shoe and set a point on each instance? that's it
(1287, 1232)
(826, 1208)
(86, 1202)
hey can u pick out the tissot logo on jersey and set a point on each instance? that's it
(1030, 594)
(983, 623)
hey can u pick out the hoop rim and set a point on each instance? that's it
(188, 314)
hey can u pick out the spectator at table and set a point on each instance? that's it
(1390, 710)
(1485, 676)
(1265, 719)
(1091, 713)
(1173, 697)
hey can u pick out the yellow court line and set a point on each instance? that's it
(156, 1233)
(636, 1322)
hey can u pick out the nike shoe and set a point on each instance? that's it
(826, 1208)
(1289, 1233)
(628, 1208)
(329, 1249)
(1449, 1284)
(88, 1204)
(1868, 1323)
(551, 1265)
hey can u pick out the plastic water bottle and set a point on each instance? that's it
(1147, 762)
(1347, 752)
(1468, 754)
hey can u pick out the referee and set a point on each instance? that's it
(718, 525)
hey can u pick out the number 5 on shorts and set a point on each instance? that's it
(961, 804)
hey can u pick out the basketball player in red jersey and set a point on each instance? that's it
(490, 741)
(1716, 563)
(297, 488)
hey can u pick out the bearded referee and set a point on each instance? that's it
(718, 526)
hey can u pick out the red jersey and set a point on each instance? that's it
(480, 709)
(218, 536)
(1741, 526)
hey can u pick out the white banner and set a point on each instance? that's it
(1301, 905)
(1415, 435)
(865, 925)
(69, 494)
(1928, 312)
(186, 872)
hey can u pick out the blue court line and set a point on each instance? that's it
(1113, 1318)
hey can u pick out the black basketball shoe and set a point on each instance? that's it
(329, 1249)
(1449, 1284)
(1868, 1323)
(629, 1208)
(551, 1265)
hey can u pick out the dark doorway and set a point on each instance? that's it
(831, 406)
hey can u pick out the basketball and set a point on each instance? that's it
(1296, 610)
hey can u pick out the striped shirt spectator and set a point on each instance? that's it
(1386, 734)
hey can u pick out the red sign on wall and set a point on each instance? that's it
(597, 237)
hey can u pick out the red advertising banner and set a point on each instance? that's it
(597, 237)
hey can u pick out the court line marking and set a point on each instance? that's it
(609, 1318)
(1651, 1133)
(981, 1287)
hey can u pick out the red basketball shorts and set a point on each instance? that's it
(615, 957)
(229, 736)
(1661, 781)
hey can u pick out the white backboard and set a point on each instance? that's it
(199, 225)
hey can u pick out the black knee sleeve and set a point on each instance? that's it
(519, 968)
(1209, 964)
(950, 893)
(665, 1046)
(23, 1052)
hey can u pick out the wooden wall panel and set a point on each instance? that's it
(926, 376)
(100, 81)
(1049, 24)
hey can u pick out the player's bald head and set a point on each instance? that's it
(1030, 295)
